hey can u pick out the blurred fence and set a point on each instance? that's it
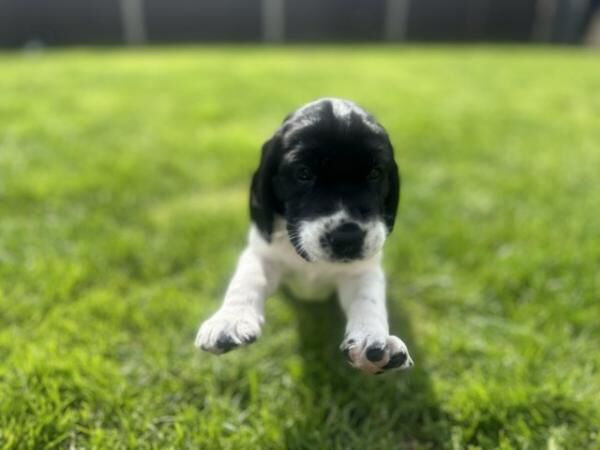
(66, 22)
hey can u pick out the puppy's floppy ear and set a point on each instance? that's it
(263, 203)
(392, 197)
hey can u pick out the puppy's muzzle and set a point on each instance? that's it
(345, 241)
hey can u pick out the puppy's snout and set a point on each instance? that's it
(346, 240)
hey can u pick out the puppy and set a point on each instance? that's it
(322, 203)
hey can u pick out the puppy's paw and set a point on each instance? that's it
(376, 354)
(229, 328)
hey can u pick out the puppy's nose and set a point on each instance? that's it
(346, 240)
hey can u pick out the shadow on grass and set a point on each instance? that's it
(354, 410)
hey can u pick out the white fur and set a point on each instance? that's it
(310, 233)
(342, 109)
(263, 266)
(242, 313)
(362, 296)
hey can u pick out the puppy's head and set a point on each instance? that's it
(329, 171)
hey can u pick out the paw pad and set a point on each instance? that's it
(396, 360)
(226, 343)
(376, 354)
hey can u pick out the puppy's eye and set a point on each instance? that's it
(375, 174)
(303, 173)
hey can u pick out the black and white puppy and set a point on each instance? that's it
(323, 201)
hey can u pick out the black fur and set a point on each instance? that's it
(342, 157)
(263, 203)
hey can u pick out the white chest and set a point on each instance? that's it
(312, 281)
(308, 285)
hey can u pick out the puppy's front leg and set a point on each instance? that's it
(367, 343)
(239, 319)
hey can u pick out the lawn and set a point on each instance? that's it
(123, 207)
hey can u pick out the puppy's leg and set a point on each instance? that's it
(367, 343)
(239, 319)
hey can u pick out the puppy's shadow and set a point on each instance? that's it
(356, 410)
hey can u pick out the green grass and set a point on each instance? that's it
(123, 185)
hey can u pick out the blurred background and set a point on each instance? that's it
(135, 22)
(127, 145)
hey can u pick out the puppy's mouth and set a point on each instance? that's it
(338, 241)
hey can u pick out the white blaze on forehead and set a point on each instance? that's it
(342, 109)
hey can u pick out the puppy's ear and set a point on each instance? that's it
(263, 203)
(392, 197)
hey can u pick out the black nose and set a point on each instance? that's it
(346, 241)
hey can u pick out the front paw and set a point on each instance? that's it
(376, 354)
(229, 328)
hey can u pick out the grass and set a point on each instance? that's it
(123, 186)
